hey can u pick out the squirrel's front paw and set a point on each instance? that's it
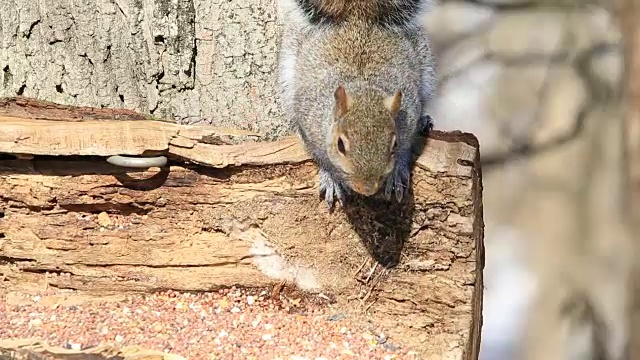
(398, 182)
(425, 125)
(331, 189)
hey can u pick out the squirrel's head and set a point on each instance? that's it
(363, 139)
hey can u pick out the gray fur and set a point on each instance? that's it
(364, 58)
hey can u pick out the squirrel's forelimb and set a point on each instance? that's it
(331, 189)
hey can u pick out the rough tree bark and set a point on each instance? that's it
(195, 61)
(246, 214)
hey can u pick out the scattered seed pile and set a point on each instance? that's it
(229, 324)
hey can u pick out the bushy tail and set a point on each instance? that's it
(387, 13)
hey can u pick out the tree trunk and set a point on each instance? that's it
(195, 61)
(246, 215)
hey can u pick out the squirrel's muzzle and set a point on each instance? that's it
(366, 188)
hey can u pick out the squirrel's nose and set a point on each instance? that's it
(369, 188)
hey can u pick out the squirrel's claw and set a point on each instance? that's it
(398, 182)
(425, 125)
(331, 188)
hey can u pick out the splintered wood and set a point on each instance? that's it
(230, 211)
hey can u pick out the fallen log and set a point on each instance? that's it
(33, 349)
(231, 211)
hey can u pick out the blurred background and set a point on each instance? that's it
(539, 82)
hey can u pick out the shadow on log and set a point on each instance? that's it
(229, 211)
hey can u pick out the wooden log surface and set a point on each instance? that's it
(250, 217)
(34, 349)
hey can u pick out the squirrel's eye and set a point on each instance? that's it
(341, 147)
(394, 146)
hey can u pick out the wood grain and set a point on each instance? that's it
(246, 214)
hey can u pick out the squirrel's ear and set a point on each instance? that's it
(343, 101)
(392, 103)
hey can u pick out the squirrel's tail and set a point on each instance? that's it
(387, 13)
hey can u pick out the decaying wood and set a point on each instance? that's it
(27, 128)
(251, 217)
(33, 349)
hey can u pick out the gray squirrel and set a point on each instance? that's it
(354, 78)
